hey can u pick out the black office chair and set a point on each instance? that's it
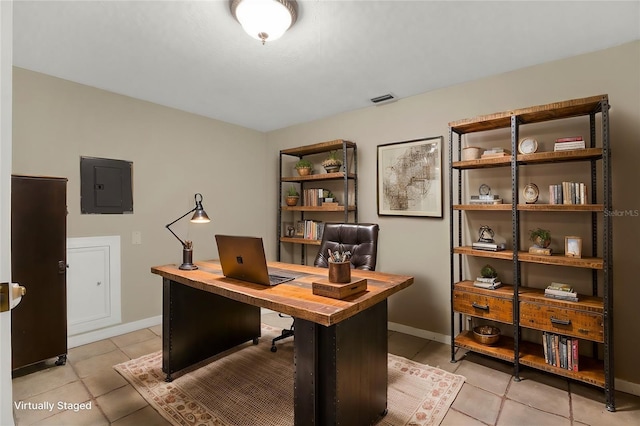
(359, 239)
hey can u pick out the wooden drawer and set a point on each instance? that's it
(570, 322)
(479, 305)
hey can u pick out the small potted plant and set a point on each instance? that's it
(332, 163)
(303, 167)
(329, 197)
(540, 237)
(292, 196)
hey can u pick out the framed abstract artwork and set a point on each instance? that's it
(409, 178)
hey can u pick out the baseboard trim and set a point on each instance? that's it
(105, 333)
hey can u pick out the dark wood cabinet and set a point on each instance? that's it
(38, 262)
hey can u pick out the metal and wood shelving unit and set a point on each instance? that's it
(590, 319)
(348, 176)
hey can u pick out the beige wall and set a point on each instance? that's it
(176, 154)
(420, 246)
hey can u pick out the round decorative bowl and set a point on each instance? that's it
(471, 153)
(486, 334)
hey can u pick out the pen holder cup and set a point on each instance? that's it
(339, 272)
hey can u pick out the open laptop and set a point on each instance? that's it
(243, 258)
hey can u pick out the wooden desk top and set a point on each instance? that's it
(293, 298)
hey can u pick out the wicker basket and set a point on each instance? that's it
(471, 153)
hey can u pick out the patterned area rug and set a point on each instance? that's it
(250, 385)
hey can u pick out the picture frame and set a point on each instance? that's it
(409, 178)
(573, 246)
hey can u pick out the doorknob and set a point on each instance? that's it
(10, 295)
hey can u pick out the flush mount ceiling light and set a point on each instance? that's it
(265, 20)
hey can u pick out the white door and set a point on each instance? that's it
(6, 51)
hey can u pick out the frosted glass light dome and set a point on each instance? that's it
(264, 20)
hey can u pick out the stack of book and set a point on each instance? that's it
(567, 144)
(560, 351)
(488, 246)
(488, 283)
(485, 199)
(568, 193)
(561, 291)
(495, 152)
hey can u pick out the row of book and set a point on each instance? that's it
(312, 197)
(561, 291)
(568, 193)
(560, 351)
(309, 229)
(488, 283)
(567, 144)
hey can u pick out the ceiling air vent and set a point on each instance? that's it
(383, 99)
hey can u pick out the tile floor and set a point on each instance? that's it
(489, 396)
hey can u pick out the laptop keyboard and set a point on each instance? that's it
(279, 279)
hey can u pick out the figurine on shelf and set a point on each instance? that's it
(485, 240)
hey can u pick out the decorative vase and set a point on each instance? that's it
(332, 168)
(304, 171)
(340, 272)
(291, 200)
(539, 242)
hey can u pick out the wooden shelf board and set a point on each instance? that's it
(584, 303)
(319, 176)
(590, 370)
(560, 156)
(504, 254)
(300, 240)
(502, 350)
(482, 207)
(562, 260)
(317, 148)
(505, 291)
(482, 163)
(317, 208)
(532, 355)
(562, 207)
(535, 114)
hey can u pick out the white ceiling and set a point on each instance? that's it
(194, 56)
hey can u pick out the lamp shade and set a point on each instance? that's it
(265, 19)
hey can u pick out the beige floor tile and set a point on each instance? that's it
(514, 413)
(146, 416)
(437, 355)
(456, 418)
(484, 377)
(86, 417)
(90, 350)
(90, 366)
(478, 403)
(43, 381)
(70, 393)
(143, 348)
(405, 345)
(541, 396)
(121, 402)
(104, 381)
(133, 337)
(588, 407)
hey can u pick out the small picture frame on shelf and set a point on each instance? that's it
(573, 246)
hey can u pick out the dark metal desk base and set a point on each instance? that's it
(197, 325)
(341, 371)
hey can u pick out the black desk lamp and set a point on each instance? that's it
(200, 216)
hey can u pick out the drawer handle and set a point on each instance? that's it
(483, 307)
(560, 322)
